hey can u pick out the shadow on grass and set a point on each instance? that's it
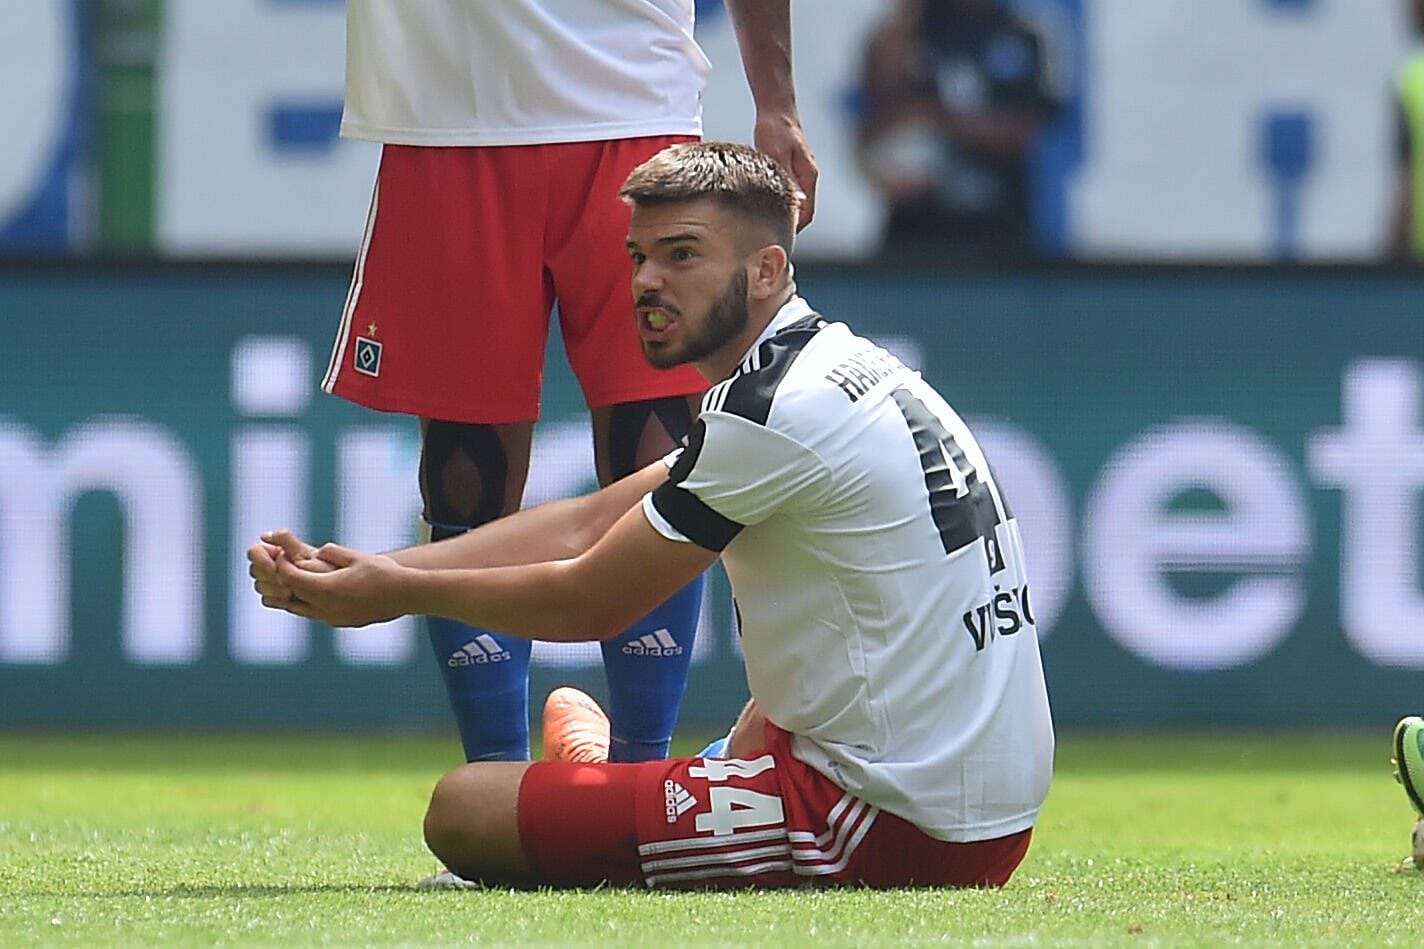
(257, 891)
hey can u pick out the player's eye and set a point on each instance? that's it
(682, 254)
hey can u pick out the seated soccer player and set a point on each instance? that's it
(899, 731)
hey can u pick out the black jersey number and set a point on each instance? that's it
(961, 503)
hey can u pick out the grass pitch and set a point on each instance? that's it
(1168, 839)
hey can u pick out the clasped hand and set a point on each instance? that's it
(331, 584)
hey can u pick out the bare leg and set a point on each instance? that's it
(472, 474)
(472, 823)
(632, 436)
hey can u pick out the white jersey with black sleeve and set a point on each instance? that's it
(521, 72)
(878, 574)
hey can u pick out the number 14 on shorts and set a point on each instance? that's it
(731, 808)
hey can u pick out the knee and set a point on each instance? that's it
(471, 474)
(472, 826)
(639, 433)
(445, 833)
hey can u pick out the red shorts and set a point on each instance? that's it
(770, 821)
(465, 252)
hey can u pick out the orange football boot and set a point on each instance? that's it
(575, 728)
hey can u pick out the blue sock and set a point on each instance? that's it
(647, 672)
(487, 679)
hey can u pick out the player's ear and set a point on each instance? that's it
(768, 274)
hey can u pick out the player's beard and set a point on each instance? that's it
(725, 320)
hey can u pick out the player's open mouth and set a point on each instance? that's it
(655, 320)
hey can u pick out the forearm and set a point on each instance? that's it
(763, 29)
(628, 571)
(533, 601)
(591, 597)
(554, 531)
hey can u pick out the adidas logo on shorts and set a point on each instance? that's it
(658, 643)
(679, 800)
(478, 651)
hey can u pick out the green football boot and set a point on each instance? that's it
(1408, 759)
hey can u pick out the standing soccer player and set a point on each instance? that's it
(899, 731)
(507, 128)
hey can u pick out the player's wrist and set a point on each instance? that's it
(408, 590)
(782, 116)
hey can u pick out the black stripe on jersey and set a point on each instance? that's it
(685, 510)
(690, 452)
(697, 522)
(749, 393)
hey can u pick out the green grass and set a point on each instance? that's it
(1168, 839)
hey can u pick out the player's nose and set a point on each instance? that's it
(646, 278)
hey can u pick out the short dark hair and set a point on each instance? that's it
(737, 177)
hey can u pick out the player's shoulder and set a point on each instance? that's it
(788, 371)
(749, 392)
